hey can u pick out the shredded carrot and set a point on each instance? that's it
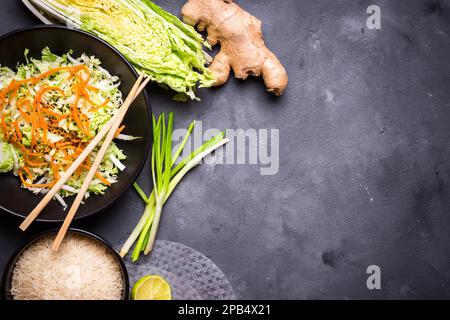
(63, 144)
(92, 88)
(76, 116)
(34, 164)
(99, 106)
(99, 176)
(55, 169)
(53, 113)
(19, 133)
(34, 185)
(119, 131)
(28, 171)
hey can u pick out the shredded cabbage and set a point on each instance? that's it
(6, 157)
(37, 160)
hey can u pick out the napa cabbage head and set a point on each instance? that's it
(156, 42)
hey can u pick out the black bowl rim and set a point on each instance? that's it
(18, 252)
(147, 101)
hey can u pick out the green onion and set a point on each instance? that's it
(165, 177)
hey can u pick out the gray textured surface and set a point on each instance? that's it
(365, 117)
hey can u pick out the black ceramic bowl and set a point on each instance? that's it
(60, 40)
(9, 269)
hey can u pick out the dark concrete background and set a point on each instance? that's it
(365, 117)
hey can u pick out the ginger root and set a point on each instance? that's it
(242, 45)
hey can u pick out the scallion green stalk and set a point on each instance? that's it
(165, 176)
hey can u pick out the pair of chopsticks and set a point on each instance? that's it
(109, 130)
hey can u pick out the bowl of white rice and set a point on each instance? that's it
(85, 267)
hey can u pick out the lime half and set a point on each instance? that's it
(151, 287)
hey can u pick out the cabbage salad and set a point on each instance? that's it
(50, 109)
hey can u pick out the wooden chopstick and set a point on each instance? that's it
(97, 139)
(87, 181)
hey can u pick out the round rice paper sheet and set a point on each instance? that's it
(191, 275)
